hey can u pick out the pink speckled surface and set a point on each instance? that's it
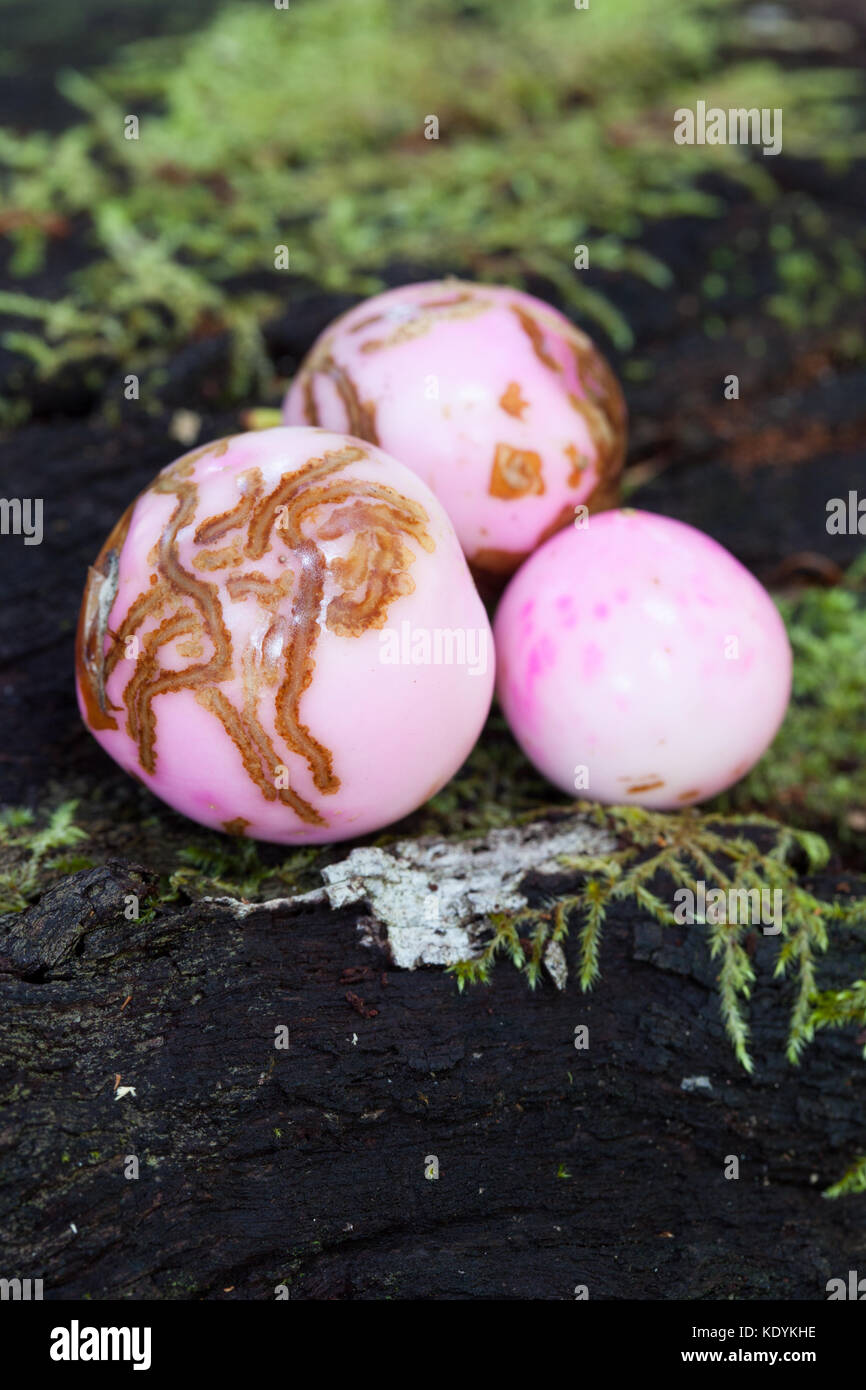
(640, 650)
(394, 726)
(495, 399)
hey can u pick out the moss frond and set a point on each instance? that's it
(659, 850)
(26, 846)
(816, 768)
(852, 1181)
(532, 101)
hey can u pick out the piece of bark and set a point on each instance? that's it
(305, 1167)
(48, 934)
(430, 900)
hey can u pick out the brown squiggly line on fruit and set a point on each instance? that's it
(372, 576)
(465, 303)
(360, 415)
(602, 407)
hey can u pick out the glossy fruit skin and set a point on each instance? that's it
(640, 662)
(245, 640)
(505, 409)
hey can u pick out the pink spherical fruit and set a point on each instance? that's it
(638, 661)
(281, 638)
(504, 408)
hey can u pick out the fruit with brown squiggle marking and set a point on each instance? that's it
(505, 409)
(281, 638)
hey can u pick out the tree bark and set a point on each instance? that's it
(305, 1166)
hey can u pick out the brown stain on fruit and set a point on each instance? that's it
(376, 571)
(99, 594)
(219, 559)
(140, 694)
(602, 406)
(310, 505)
(311, 409)
(297, 497)
(218, 526)
(491, 566)
(150, 679)
(690, 795)
(300, 665)
(535, 333)
(644, 787)
(192, 648)
(512, 400)
(270, 593)
(579, 463)
(258, 756)
(515, 473)
(463, 303)
(366, 323)
(494, 564)
(183, 466)
(360, 415)
(238, 826)
(149, 602)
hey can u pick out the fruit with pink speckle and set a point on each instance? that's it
(638, 661)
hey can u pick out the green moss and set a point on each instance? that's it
(319, 145)
(851, 1182)
(26, 865)
(659, 850)
(218, 865)
(815, 772)
(818, 273)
